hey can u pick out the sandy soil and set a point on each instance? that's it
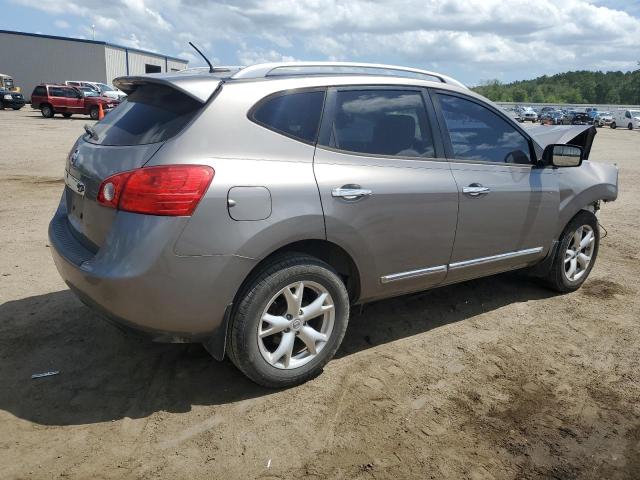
(494, 378)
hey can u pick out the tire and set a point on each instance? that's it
(16, 108)
(47, 111)
(66, 115)
(1, 105)
(614, 126)
(558, 278)
(630, 126)
(253, 353)
(94, 113)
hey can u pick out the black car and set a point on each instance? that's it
(11, 100)
(580, 118)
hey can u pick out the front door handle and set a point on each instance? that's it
(350, 192)
(475, 190)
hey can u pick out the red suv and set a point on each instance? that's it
(52, 99)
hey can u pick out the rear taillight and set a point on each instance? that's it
(164, 190)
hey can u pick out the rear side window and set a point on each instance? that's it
(150, 114)
(296, 115)
(56, 92)
(381, 122)
(477, 133)
(39, 92)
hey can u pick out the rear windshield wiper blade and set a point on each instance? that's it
(91, 131)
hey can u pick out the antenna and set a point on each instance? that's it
(202, 55)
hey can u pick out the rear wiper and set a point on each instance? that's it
(91, 131)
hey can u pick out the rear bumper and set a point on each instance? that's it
(136, 281)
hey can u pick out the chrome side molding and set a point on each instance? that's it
(495, 258)
(422, 272)
(413, 274)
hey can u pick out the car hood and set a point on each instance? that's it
(581, 135)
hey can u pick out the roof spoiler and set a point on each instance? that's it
(196, 86)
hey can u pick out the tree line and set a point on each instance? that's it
(569, 87)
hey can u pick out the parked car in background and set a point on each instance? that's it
(249, 210)
(580, 118)
(626, 119)
(52, 99)
(603, 119)
(528, 115)
(513, 114)
(591, 112)
(7, 83)
(555, 118)
(547, 109)
(9, 99)
(101, 88)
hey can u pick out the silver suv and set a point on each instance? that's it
(247, 209)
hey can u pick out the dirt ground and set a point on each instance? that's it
(494, 378)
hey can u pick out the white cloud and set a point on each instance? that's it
(61, 24)
(474, 39)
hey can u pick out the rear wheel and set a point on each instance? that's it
(289, 321)
(94, 113)
(47, 111)
(576, 254)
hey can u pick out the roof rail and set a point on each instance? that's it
(278, 69)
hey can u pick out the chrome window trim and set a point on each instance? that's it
(413, 274)
(494, 258)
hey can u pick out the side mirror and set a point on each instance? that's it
(562, 155)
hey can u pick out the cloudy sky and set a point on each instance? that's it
(473, 40)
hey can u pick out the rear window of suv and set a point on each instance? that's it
(150, 114)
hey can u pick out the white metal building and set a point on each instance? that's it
(33, 58)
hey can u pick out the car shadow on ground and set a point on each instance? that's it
(106, 374)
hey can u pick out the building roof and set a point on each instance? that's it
(94, 42)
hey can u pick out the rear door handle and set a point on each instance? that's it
(351, 192)
(475, 190)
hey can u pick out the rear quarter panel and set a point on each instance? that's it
(243, 153)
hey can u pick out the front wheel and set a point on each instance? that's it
(613, 125)
(576, 254)
(94, 113)
(289, 321)
(630, 126)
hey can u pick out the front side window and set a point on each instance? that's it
(294, 114)
(477, 133)
(381, 122)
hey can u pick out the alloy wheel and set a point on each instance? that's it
(577, 257)
(296, 325)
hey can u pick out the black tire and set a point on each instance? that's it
(66, 115)
(1, 105)
(242, 345)
(630, 126)
(16, 108)
(47, 111)
(613, 125)
(94, 113)
(556, 279)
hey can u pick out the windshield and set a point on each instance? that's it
(88, 92)
(635, 113)
(150, 114)
(106, 88)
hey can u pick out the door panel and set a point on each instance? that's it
(508, 208)
(516, 216)
(406, 224)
